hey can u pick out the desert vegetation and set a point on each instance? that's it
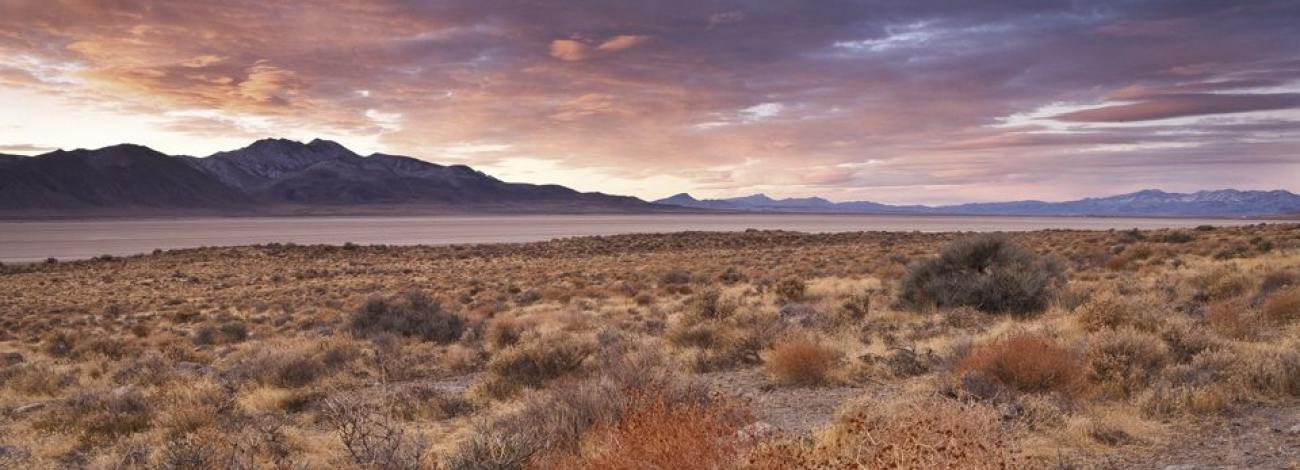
(762, 350)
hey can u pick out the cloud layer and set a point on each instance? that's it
(917, 101)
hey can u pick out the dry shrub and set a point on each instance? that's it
(1272, 370)
(1221, 282)
(1167, 401)
(100, 418)
(1024, 362)
(703, 335)
(532, 363)
(424, 402)
(1113, 310)
(709, 305)
(1111, 427)
(1283, 307)
(229, 332)
(790, 290)
(1187, 340)
(411, 314)
(987, 272)
(722, 345)
(502, 332)
(1235, 319)
(675, 277)
(370, 437)
(657, 432)
(1121, 362)
(193, 406)
(259, 442)
(931, 433)
(288, 365)
(1207, 384)
(856, 307)
(36, 379)
(151, 370)
(111, 348)
(550, 422)
(802, 360)
(1277, 280)
(59, 344)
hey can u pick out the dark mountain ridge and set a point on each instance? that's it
(272, 176)
(279, 176)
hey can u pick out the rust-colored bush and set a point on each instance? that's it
(1234, 319)
(1025, 362)
(1283, 307)
(802, 361)
(659, 433)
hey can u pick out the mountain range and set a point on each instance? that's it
(272, 176)
(1149, 202)
(285, 177)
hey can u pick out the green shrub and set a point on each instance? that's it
(988, 273)
(411, 314)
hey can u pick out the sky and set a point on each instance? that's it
(896, 101)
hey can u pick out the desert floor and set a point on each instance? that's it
(761, 349)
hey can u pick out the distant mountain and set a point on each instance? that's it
(1151, 202)
(1224, 202)
(271, 176)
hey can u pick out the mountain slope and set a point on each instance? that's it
(272, 176)
(1220, 203)
(122, 176)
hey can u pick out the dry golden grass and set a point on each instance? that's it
(932, 433)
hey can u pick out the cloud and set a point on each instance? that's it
(947, 102)
(569, 49)
(25, 148)
(573, 50)
(1156, 107)
(622, 41)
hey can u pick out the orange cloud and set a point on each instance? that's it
(569, 49)
(621, 42)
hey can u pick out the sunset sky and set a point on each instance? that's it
(903, 101)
